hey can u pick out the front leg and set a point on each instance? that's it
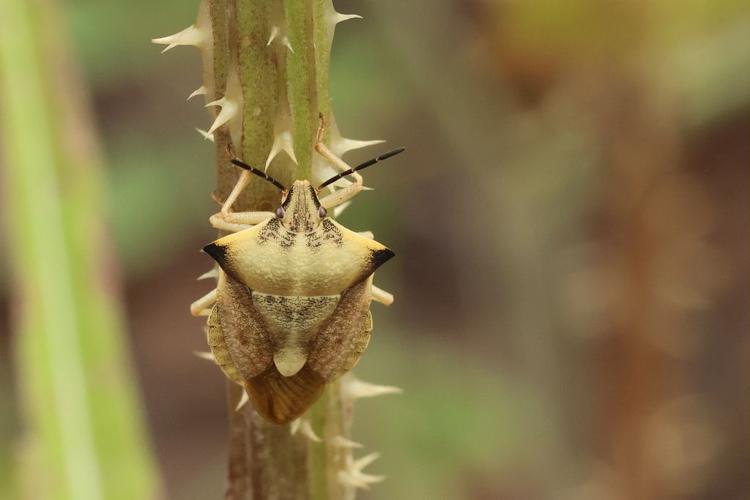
(242, 181)
(233, 222)
(342, 195)
(238, 221)
(226, 220)
(337, 197)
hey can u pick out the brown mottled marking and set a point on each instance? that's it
(243, 329)
(344, 337)
(292, 323)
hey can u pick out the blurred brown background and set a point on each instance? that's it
(571, 228)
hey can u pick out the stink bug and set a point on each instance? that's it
(291, 311)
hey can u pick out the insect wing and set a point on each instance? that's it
(282, 399)
(243, 329)
(341, 341)
(217, 344)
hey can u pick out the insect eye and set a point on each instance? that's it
(322, 212)
(280, 212)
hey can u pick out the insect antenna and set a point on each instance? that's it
(362, 166)
(259, 173)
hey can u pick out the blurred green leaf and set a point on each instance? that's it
(84, 437)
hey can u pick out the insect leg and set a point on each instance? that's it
(225, 220)
(345, 194)
(242, 181)
(380, 295)
(202, 306)
(219, 223)
(238, 221)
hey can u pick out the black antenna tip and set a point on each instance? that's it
(362, 166)
(387, 155)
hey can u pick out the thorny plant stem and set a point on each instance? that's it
(280, 88)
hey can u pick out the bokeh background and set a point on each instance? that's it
(571, 224)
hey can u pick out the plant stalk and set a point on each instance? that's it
(283, 90)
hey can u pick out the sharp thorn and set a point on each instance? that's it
(205, 134)
(274, 33)
(353, 388)
(211, 273)
(243, 400)
(342, 442)
(285, 41)
(205, 355)
(199, 91)
(189, 36)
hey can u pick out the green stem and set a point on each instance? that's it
(302, 83)
(280, 88)
(84, 434)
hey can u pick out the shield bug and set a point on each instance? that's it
(291, 311)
